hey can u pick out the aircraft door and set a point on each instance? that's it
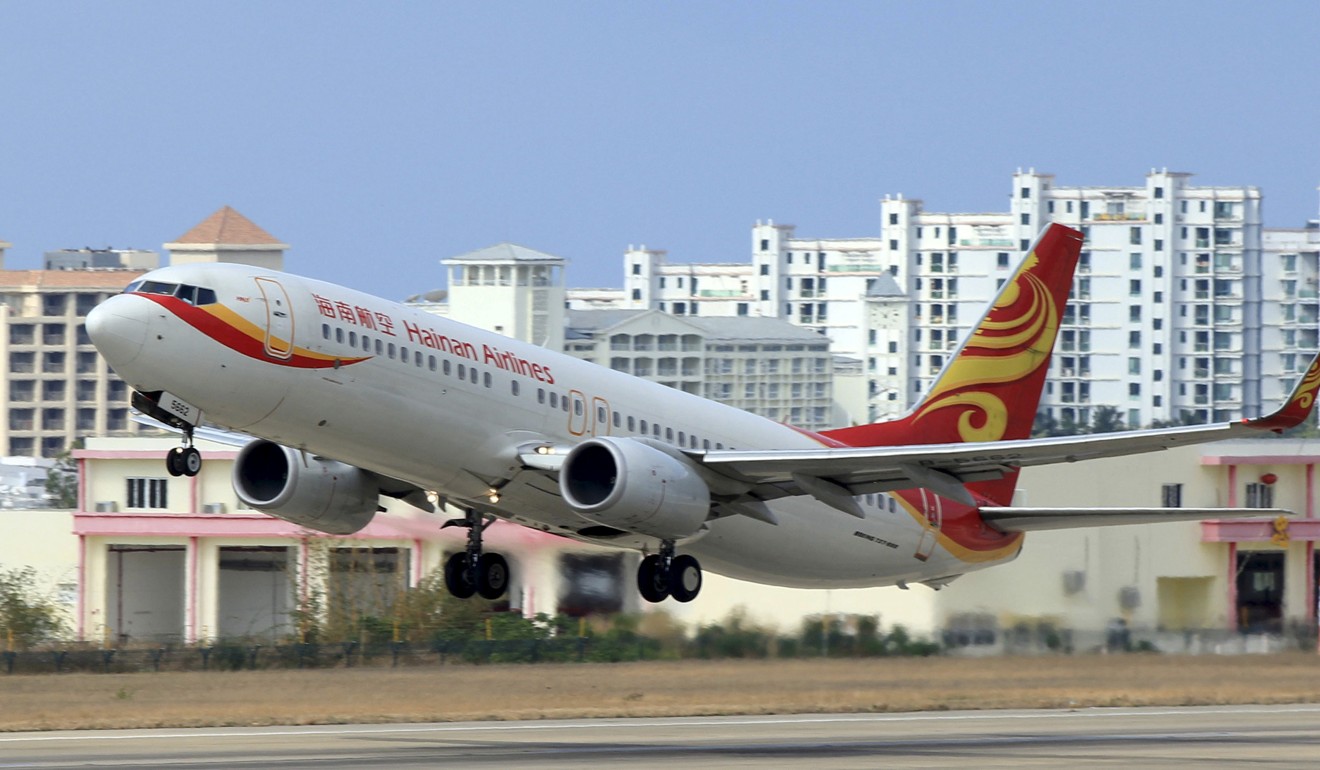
(934, 511)
(279, 318)
(579, 417)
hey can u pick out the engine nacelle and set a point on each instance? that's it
(626, 484)
(323, 495)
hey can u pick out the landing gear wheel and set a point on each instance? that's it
(684, 578)
(190, 461)
(492, 576)
(174, 461)
(458, 577)
(652, 579)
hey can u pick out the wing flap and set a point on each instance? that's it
(1038, 519)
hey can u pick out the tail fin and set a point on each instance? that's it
(991, 388)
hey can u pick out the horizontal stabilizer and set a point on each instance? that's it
(1036, 519)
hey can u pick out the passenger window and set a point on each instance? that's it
(682, 438)
(554, 400)
(513, 386)
(447, 368)
(366, 343)
(462, 371)
(692, 442)
(486, 379)
(540, 395)
(563, 403)
(380, 348)
(403, 354)
(643, 427)
(472, 374)
(655, 430)
(618, 420)
(669, 435)
(601, 417)
(352, 339)
(430, 362)
(339, 335)
(393, 350)
(417, 360)
(325, 331)
(577, 408)
(632, 424)
(705, 444)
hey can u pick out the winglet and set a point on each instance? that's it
(1297, 409)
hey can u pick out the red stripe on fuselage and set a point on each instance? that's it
(238, 340)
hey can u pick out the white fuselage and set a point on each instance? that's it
(444, 406)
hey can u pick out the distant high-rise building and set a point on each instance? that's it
(1179, 310)
(56, 386)
(102, 259)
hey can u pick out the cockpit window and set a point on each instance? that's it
(193, 295)
(157, 287)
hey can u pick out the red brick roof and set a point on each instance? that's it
(227, 226)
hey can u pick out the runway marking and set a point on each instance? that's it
(614, 723)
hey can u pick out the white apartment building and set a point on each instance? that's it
(846, 289)
(762, 365)
(1174, 304)
(1290, 309)
(508, 289)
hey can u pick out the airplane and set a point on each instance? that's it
(346, 398)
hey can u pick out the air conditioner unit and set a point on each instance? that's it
(213, 508)
(107, 506)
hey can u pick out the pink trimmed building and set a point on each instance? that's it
(162, 558)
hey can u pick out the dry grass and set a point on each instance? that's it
(459, 692)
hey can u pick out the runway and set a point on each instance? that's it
(1264, 736)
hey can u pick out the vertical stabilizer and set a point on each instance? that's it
(991, 388)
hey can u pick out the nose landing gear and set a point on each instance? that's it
(184, 460)
(180, 415)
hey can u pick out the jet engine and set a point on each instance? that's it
(319, 494)
(628, 485)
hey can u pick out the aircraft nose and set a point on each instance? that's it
(118, 328)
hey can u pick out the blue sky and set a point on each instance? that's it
(378, 138)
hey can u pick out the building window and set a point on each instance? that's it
(1260, 495)
(1171, 496)
(147, 493)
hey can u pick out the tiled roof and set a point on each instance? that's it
(67, 279)
(505, 252)
(227, 226)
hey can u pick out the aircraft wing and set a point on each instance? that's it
(831, 474)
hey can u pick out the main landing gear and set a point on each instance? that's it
(473, 572)
(184, 460)
(662, 575)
